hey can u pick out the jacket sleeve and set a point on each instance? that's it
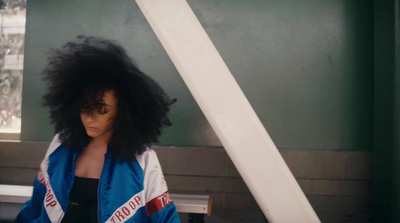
(32, 210)
(33, 207)
(159, 205)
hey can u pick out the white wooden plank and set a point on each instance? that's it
(228, 111)
(185, 203)
(15, 193)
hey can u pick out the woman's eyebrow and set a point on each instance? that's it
(103, 104)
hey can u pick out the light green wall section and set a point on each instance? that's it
(306, 66)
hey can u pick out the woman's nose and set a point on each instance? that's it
(90, 116)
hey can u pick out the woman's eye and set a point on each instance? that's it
(103, 112)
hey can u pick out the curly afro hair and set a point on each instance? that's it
(77, 76)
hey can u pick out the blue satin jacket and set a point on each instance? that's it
(128, 192)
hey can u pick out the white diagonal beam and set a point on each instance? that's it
(228, 111)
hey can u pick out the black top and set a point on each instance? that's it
(82, 201)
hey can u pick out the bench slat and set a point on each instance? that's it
(185, 203)
(15, 193)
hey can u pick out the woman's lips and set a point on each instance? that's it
(91, 128)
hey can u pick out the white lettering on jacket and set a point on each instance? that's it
(51, 204)
(127, 210)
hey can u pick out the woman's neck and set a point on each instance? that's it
(102, 139)
(99, 143)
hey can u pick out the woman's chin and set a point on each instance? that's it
(91, 134)
(101, 135)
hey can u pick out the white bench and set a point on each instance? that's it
(195, 205)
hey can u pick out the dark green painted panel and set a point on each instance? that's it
(386, 172)
(306, 66)
(50, 24)
(396, 160)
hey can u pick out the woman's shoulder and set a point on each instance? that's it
(58, 146)
(54, 144)
(149, 156)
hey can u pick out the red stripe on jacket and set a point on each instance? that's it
(158, 203)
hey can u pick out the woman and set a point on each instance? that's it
(99, 167)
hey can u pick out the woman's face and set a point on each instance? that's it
(99, 124)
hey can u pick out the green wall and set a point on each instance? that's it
(386, 151)
(306, 66)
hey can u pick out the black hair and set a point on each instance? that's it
(77, 76)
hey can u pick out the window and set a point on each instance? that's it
(12, 31)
